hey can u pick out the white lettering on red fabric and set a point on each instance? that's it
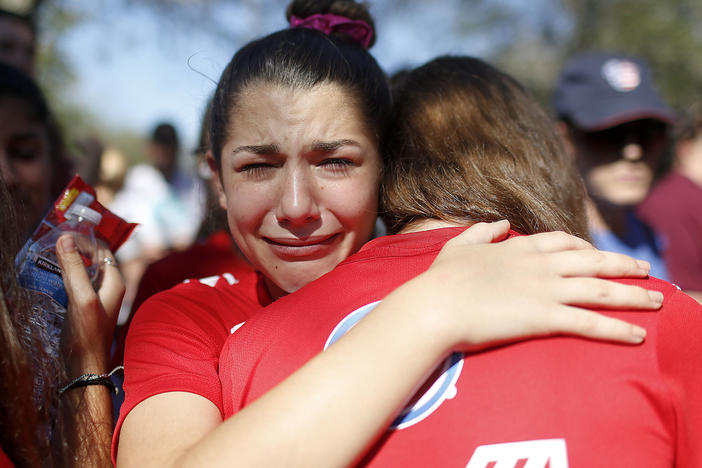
(546, 453)
(211, 281)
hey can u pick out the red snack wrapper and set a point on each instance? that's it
(112, 229)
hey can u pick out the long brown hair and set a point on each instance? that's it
(467, 143)
(19, 416)
(37, 428)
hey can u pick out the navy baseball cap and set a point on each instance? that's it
(596, 91)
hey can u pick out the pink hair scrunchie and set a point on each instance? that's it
(357, 30)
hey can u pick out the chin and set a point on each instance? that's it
(626, 196)
(630, 200)
(300, 277)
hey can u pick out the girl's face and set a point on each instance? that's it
(24, 162)
(299, 179)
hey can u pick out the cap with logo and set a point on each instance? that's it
(596, 91)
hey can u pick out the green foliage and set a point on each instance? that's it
(666, 33)
(543, 34)
(54, 70)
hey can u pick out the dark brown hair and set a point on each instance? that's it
(166, 135)
(26, 20)
(20, 414)
(469, 144)
(302, 58)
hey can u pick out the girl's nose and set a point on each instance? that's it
(298, 200)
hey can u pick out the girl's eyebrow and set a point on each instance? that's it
(316, 146)
(331, 146)
(257, 149)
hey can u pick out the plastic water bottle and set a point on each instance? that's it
(39, 272)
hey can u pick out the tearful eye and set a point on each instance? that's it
(336, 164)
(255, 170)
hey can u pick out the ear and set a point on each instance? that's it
(216, 179)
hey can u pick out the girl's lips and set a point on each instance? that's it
(302, 249)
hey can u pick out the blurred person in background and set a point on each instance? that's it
(18, 47)
(17, 41)
(111, 172)
(617, 127)
(167, 203)
(89, 151)
(159, 196)
(674, 206)
(34, 171)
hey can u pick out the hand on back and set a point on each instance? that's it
(484, 293)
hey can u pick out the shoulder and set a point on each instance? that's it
(678, 348)
(214, 303)
(677, 306)
(678, 321)
(675, 329)
(679, 325)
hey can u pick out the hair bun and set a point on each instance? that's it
(346, 8)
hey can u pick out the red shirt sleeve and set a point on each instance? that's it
(174, 342)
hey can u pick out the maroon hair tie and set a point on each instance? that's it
(357, 30)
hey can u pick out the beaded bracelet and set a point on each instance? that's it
(93, 379)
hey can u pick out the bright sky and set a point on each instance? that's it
(133, 71)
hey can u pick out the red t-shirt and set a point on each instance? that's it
(5, 461)
(556, 402)
(175, 339)
(215, 256)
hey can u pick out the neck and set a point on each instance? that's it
(428, 224)
(607, 217)
(274, 290)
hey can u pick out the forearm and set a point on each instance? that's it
(93, 418)
(331, 410)
(90, 410)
